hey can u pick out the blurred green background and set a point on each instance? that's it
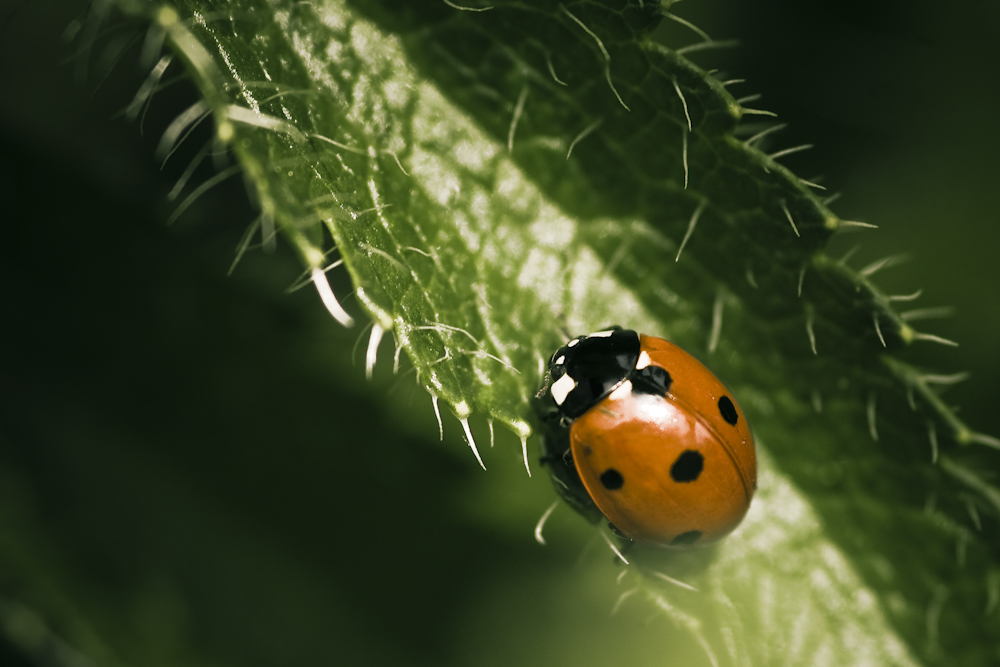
(193, 469)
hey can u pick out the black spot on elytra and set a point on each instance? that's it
(612, 479)
(728, 410)
(689, 537)
(651, 380)
(688, 466)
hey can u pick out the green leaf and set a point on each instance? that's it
(492, 179)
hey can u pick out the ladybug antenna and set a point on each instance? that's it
(546, 383)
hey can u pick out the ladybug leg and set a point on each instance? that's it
(626, 542)
(551, 416)
(546, 383)
(618, 533)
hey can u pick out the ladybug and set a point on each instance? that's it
(641, 432)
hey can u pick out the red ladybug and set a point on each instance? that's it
(657, 441)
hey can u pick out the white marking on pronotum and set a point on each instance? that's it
(524, 454)
(788, 215)
(622, 392)
(472, 443)
(518, 109)
(934, 339)
(802, 276)
(810, 332)
(608, 333)
(560, 388)
(614, 548)
(490, 422)
(906, 297)
(467, 9)
(684, 103)
(587, 130)
(878, 329)
(552, 70)
(437, 413)
(690, 229)
(872, 430)
(675, 582)
(329, 300)
(643, 361)
(717, 308)
(932, 436)
(541, 522)
(370, 355)
(621, 598)
(684, 156)
(763, 133)
(790, 151)
(573, 343)
(604, 51)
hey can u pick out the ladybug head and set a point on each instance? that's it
(588, 368)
